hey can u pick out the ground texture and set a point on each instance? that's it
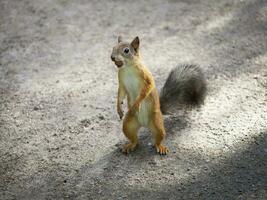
(60, 136)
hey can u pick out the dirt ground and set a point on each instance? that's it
(60, 135)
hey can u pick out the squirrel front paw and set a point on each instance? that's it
(120, 113)
(135, 108)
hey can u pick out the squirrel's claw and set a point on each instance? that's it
(128, 147)
(120, 113)
(162, 150)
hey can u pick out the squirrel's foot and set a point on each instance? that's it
(162, 150)
(128, 147)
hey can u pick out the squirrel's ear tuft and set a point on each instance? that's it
(119, 39)
(135, 43)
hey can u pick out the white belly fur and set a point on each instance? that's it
(143, 113)
(131, 84)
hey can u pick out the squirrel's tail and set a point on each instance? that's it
(186, 85)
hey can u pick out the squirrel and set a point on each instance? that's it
(185, 85)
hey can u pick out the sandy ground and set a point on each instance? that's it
(60, 136)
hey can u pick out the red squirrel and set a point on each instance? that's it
(185, 84)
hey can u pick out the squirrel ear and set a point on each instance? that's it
(135, 43)
(119, 39)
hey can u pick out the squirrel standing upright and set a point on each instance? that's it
(185, 84)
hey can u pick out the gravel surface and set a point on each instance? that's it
(60, 135)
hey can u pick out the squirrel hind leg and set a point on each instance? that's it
(157, 128)
(130, 130)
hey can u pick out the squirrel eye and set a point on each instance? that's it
(126, 50)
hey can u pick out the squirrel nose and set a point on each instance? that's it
(112, 58)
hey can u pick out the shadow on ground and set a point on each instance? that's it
(241, 176)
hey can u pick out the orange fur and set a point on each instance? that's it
(137, 83)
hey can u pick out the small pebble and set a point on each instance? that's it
(35, 108)
(101, 117)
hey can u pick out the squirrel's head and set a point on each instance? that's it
(124, 53)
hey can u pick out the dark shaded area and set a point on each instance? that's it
(245, 36)
(242, 176)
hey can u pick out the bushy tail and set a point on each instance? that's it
(185, 86)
